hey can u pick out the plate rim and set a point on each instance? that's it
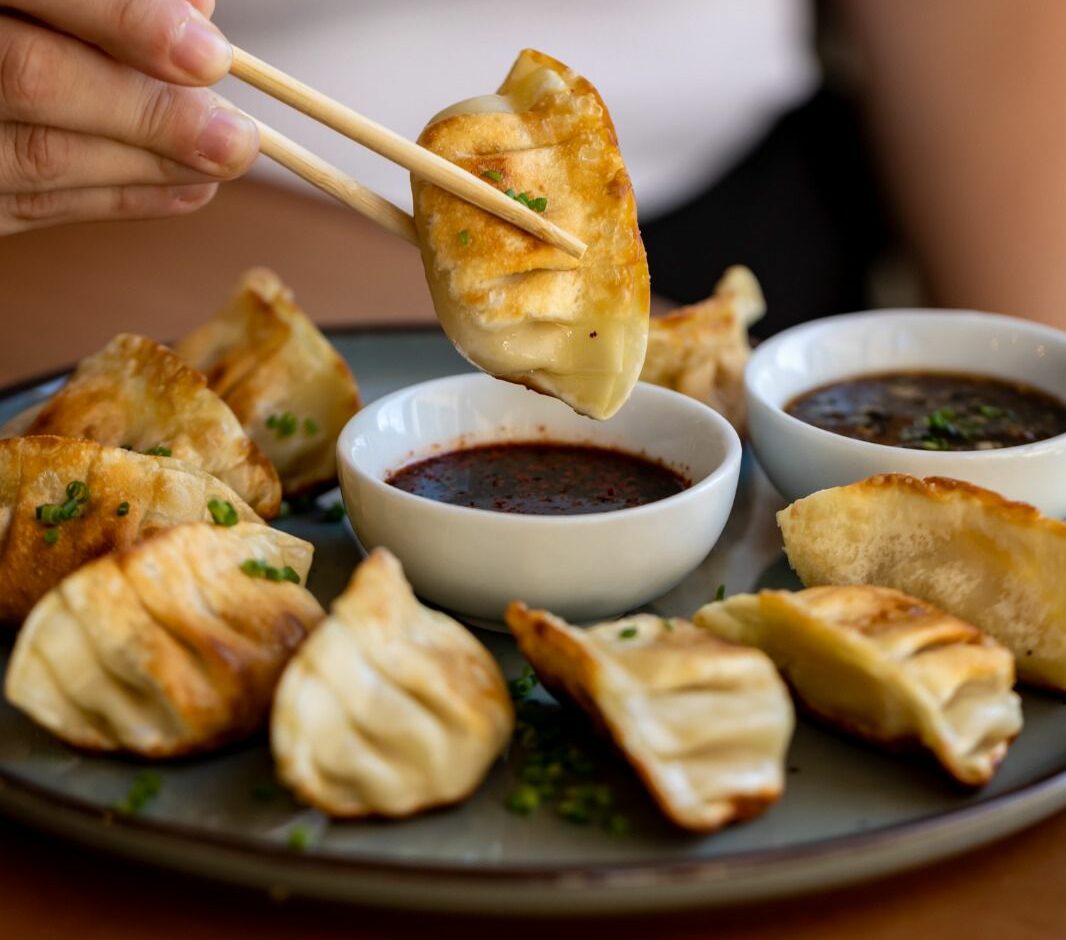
(571, 878)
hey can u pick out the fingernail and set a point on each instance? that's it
(201, 50)
(228, 139)
(194, 193)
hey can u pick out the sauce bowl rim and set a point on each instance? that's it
(765, 348)
(728, 466)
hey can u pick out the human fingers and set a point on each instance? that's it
(51, 79)
(172, 40)
(35, 158)
(20, 212)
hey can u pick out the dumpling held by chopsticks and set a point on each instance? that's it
(513, 305)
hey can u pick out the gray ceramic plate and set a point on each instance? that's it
(850, 813)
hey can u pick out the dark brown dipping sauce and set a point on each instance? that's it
(540, 479)
(933, 411)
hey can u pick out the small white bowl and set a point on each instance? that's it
(800, 458)
(475, 561)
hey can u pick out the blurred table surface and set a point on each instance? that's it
(64, 292)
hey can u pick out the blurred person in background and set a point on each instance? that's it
(808, 142)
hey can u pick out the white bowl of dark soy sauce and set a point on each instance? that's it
(801, 458)
(594, 564)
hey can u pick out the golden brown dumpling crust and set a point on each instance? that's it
(167, 648)
(267, 360)
(701, 350)
(996, 564)
(513, 305)
(159, 492)
(704, 722)
(137, 394)
(887, 667)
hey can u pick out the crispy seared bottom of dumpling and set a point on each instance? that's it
(170, 647)
(513, 305)
(64, 502)
(704, 722)
(996, 564)
(390, 708)
(887, 667)
(139, 395)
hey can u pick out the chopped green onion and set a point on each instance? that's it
(523, 800)
(283, 425)
(523, 686)
(222, 512)
(537, 204)
(299, 839)
(719, 595)
(627, 633)
(464, 238)
(51, 536)
(78, 491)
(145, 788)
(257, 568)
(123, 509)
(334, 512)
(50, 514)
(160, 451)
(495, 175)
(310, 427)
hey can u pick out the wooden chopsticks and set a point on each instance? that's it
(392, 146)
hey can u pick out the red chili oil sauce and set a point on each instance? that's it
(541, 479)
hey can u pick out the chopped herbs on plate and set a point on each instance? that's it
(495, 175)
(160, 450)
(144, 789)
(557, 768)
(334, 512)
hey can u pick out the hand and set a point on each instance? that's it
(100, 116)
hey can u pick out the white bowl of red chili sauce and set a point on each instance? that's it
(971, 396)
(488, 492)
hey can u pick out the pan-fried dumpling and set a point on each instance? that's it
(284, 381)
(887, 667)
(513, 305)
(994, 563)
(170, 647)
(390, 708)
(139, 395)
(64, 502)
(705, 723)
(701, 350)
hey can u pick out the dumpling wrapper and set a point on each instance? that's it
(167, 648)
(390, 708)
(516, 307)
(994, 563)
(137, 394)
(161, 492)
(701, 350)
(266, 359)
(887, 667)
(705, 723)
